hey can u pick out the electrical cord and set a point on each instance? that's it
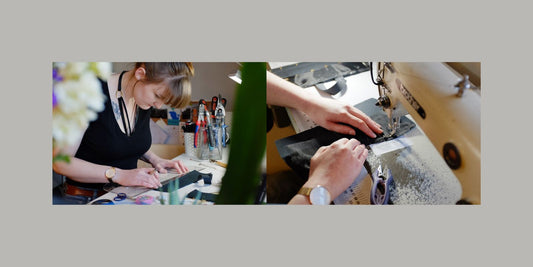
(372, 75)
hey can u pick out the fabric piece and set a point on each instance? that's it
(204, 196)
(340, 86)
(306, 74)
(297, 150)
(187, 179)
(105, 144)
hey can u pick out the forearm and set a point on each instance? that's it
(304, 200)
(82, 171)
(86, 172)
(286, 94)
(299, 200)
(150, 157)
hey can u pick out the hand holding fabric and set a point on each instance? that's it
(161, 165)
(331, 114)
(337, 166)
(337, 116)
(146, 177)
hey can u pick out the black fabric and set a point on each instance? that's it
(204, 196)
(297, 150)
(340, 86)
(187, 179)
(105, 144)
(306, 74)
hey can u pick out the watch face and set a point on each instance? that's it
(110, 173)
(320, 196)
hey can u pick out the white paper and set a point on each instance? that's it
(391, 145)
(349, 194)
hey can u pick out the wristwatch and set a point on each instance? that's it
(110, 174)
(318, 195)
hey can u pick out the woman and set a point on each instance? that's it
(113, 143)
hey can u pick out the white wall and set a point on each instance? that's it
(210, 79)
(472, 69)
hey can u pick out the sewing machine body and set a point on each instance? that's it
(450, 117)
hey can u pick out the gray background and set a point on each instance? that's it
(497, 232)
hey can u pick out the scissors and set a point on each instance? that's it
(220, 114)
(381, 183)
(216, 101)
(210, 132)
(120, 197)
(200, 122)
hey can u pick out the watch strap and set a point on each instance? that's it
(306, 191)
(110, 179)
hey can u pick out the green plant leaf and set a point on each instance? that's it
(61, 157)
(248, 138)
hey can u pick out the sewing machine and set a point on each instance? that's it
(445, 105)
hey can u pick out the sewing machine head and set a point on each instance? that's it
(445, 105)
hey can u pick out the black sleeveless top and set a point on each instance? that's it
(105, 144)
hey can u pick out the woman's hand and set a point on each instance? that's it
(161, 165)
(146, 177)
(328, 113)
(335, 116)
(336, 166)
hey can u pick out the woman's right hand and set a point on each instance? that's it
(147, 177)
(337, 116)
(336, 166)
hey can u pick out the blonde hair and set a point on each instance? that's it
(177, 76)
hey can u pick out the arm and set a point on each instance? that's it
(328, 113)
(161, 164)
(284, 93)
(335, 167)
(87, 172)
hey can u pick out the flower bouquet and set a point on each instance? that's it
(76, 99)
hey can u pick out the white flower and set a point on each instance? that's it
(79, 99)
(91, 92)
(102, 69)
(59, 65)
(67, 129)
(73, 70)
